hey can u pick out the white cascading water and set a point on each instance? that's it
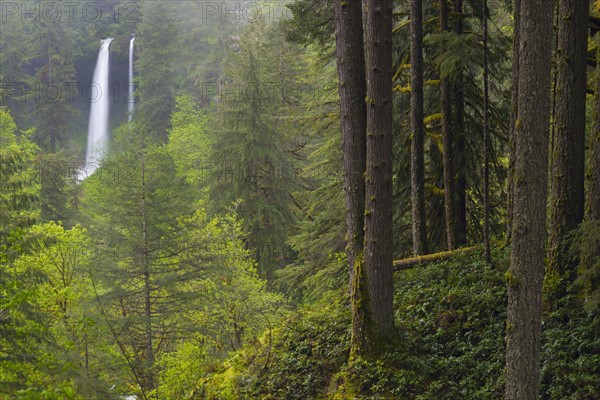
(97, 141)
(131, 87)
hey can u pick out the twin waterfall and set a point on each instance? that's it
(98, 133)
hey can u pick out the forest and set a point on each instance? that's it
(299, 199)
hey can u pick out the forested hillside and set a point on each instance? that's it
(302, 199)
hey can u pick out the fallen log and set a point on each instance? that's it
(408, 263)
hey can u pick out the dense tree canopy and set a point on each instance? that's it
(311, 199)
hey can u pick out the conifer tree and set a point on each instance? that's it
(417, 162)
(526, 273)
(568, 143)
(448, 142)
(350, 59)
(377, 269)
(133, 202)
(460, 138)
(589, 266)
(156, 67)
(22, 325)
(252, 157)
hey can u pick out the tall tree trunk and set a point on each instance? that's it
(377, 17)
(568, 144)
(526, 272)
(149, 346)
(592, 206)
(486, 139)
(352, 92)
(514, 111)
(417, 164)
(460, 142)
(447, 143)
(590, 246)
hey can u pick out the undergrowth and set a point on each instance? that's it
(450, 318)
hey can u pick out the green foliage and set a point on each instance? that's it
(155, 245)
(459, 57)
(58, 192)
(586, 247)
(133, 205)
(189, 143)
(62, 391)
(19, 188)
(455, 311)
(47, 316)
(293, 361)
(21, 325)
(253, 151)
(459, 52)
(450, 345)
(570, 352)
(225, 309)
(55, 46)
(60, 256)
(201, 197)
(157, 68)
(312, 23)
(318, 239)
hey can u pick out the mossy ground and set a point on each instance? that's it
(450, 317)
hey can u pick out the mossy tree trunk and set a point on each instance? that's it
(568, 144)
(447, 143)
(486, 138)
(514, 111)
(592, 206)
(526, 272)
(460, 141)
(417, 159)
(352, 91)
(378, 257)
(590, 245)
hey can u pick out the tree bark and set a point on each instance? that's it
(568, 144)
(486, 139)
(514, 111)
(377, 17)
(447, 143)
(592, 206)
(513, 116)
(526, 272)
(352, 92)
(590, 244)
(417, 164)
(460, 142)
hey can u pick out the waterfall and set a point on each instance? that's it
(97, 141)
(131, 87)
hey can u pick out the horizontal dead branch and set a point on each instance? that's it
(408, 263)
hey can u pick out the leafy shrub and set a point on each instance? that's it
(455, 311)
(450, 345)
(296, 361)
(570, 353)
